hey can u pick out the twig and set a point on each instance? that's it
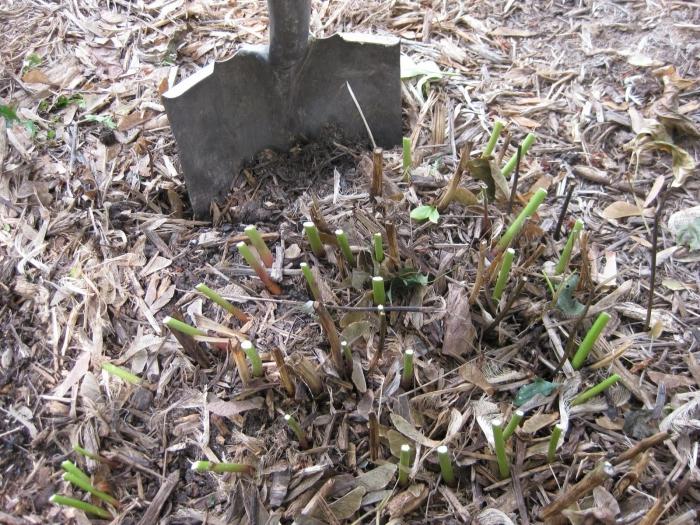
(652, 259)
(562, 213)
(640, 447)
(511, 299)
(514, 189)
(592, 480)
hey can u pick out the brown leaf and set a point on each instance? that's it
(378, 478)
(407, 501)
(34, 76)
(410, 432)
(232, 408)
(621, 209)
(349, 504)
(459, 330)
(475, 376)
(671, 381)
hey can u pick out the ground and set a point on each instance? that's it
(98, 246)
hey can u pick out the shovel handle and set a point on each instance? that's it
(289, 30)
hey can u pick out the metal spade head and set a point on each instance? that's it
(266, 96)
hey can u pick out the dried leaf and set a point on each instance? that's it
(349, 504)
(682, 162)
(378, 478)
(493, 517)
(472, 374)
(232, 408)
(410, 432)
(621, 209)
(459, 330)
(407, 501)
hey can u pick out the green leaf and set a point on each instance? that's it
(689, 235)
(405, 281)
(538, 386)
(105, 120)
(424, 212)
(9, 114)
(33, 60)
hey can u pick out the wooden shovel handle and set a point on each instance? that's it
(289, 31)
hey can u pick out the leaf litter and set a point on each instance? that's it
(98, 246)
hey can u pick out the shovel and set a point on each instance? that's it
(269, 96)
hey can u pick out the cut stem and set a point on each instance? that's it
(595, 390)
(298, 432)
(446, 465)
(57, 499)
(407, 156)
(332, 334)
(239, 359)
(220, 468)
(344, 245)
(378, 292)
(404, 464)
(565, 257)
(500, 445)
(553, 442)
(591, 337)
(223, 303)
(257, 241)
(377, 187)
(314, 239)
(121, 373)
(186, 329)
(373, 436)
(478, 280)
(254, 357)
(528, 141)
(407, 373)
(259, 269)
(515, 420)
(79, 482)
(503, 273)
(493, 139)
(311, 281)
(347, 353)
(519, 222)
(283, 371)
(378, 248)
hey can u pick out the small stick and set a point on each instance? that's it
(311, 281)
(373, 437)
(562, 213)
(478, 281)
(593, 479)
(392, 242)
(509, 303)
(504, 149)
(407, 373)
(239, 360)
(452, 186)
(591, 337)
(515, 420)
(500, 446)
(553, 442)
(527, 143)
(223, 303)
(220, 468)
(640, 447)
(332, 334)
(595, 390)
(382, 338)
(565, 256)
(404, 464)
(378, 248)
(344, 245)
(378, 292)
(314, 239)
(298, 432)
(377, 187)
(285, 380)
(652, 260)
(257, 241)
(654, 513)
(516, 178)
(446, 466)
(503, 273)
(259, 269)
(254, 357)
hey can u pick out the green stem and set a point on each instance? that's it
(515, 420)
(378, 248)
(503, 273)
(344, 245)
(553, 442)
(257, 241)
(500, 445)
(407, 373)
(121, 373)
(182, 327)
(87, 487)
(314, 239)
(519, 222)
(311, 281)
(57, 499)
(252, 354)
(223, 303)
(404, 464)
(594, 391)
(258, 268)
(524, 148)
(221, 468)
(345, 347)
(495, 133)
(446, 465)
(71, 468)
(378, 290)
(407, 155)
(590, 340)
(565, 257)
(296, 428)
(84, 452)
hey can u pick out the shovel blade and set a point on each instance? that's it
(229, 111)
